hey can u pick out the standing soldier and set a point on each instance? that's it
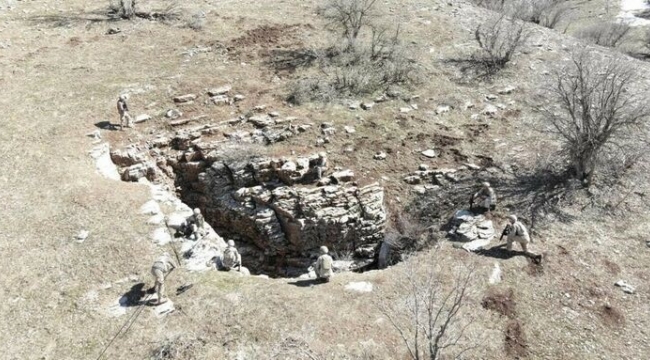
(324, 265)
(123, 110)
(486, 198)
(517, 232)
(321, 165)
(231, 257)
(160, 269)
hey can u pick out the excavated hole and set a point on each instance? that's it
(277, 210)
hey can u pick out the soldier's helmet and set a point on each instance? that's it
(124, 97)
(197, 211)
(231, 243)
(324, 250)
(512, 218)
(486, 184)
(321, 155)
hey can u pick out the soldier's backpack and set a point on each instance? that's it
(327, 262)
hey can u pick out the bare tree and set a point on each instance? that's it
(498, 40)
(428, 319)
(609, 34)
(348, 16)
(600, 112)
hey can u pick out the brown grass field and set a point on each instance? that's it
(60, 75)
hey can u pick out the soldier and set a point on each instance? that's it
(123, 110)
(516, 232)
(160, 269)
(320, 165)
(231, 257)
(486, 198)
(323, 266)
(194, 225)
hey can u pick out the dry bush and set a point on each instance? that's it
(494, 5)
(498, 39)
(178, 348)
(429, 319)
(370, 59)
(348, 17)
(123, 8)
(196, 21)
(599, 113)
(609, 34)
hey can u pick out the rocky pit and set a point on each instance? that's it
(276, 209)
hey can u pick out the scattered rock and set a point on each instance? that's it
(507, 90)
(220, 100)
(238, 97)
(82, 235)
(490, 110)
(342, 176)
(220, 90)
(414, 106)
(360, 286)
(443, 109)
(161, 236)
(473, 229)
(261, 121)
(185, 99)
(405, 110)
(412, 179)
(327, 129)
(156, 219)
(380, 156)
(142, 118)
(473, 166)
(475, 117)
(274, 114)
(151, 207)
(353, 105)
(381, 98)
(491, 97)
(419, 189)
(349, 129)
(430, 153)
(173, 114)
(469, 105)
(423, 167)
(367, 105)
(495, 277)
(627, 288)
(113, 31)
(259, 108)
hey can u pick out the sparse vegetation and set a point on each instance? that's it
(609, 34)
(371, 57)
(547, 13)
(429, 320)
(498, 39)
(600, 112)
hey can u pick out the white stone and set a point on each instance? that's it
(495, 277)
(164, 309)
(156, 219)
(161, 236)
(173, 114)
(238, 97)
(507, 90)
(82, 235)
(151, 207)
(443, 109)
(359, 286)
(220, 90)
(430, 153)
(490, 110)
(349, 129)
(367, 105)
(142, 118)
(491, 97)
(405, 110)
(380, 156)
(103, 163)
(627, 288)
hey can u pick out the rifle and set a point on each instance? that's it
(471, 202)
(506, 231)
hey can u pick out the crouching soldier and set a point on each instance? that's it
(323, 266)
(160, 269)
(485, 199)
(517, 232)
(231, 257)
(194, 226)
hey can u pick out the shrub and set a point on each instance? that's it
(499, 40)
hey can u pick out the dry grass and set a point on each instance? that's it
(55, 291)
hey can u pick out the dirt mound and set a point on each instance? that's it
(501, 302)
(515, 342)
(611, 316)
(266, 36)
